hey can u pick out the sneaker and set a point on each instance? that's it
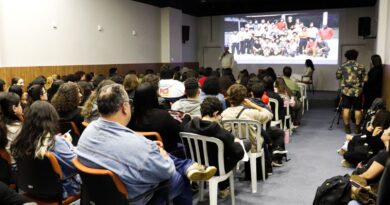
(279, 151)
(341, 152)
(198, 172)
(276, 164)
(269, 174)
(223, 194)
(346, 164)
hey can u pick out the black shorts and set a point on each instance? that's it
(349, 102)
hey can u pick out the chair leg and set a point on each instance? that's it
(307, 104)
(303, 106)
(253, 173)
(263, 165)
(213, 191)
(231, 182)
(201, 190)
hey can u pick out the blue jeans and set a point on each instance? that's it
(180, 188)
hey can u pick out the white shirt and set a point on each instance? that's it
(227, 61)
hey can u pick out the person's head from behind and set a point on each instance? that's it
(54, 88)
(167, 73)
(309, 63)
(86, 90)
(17, 89)
(236, 94)
(376, 61)
(153, 79)
(67, 98)
(37, 134)
(211, 108)
(381, 119)
(112, 71)
(211, 86)
(207, 71)
(257, 90)
(17, 81)
(114, 103)
(351, 54)
(282, 88)
(131, 82)
(224, 83)
(268, 83)
(191, 88)
(89, 104)
(287, 71)
(36, 92)
(117, 79)
(145, 98)
(2, 85)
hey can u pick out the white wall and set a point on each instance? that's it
(27, 38)
(324, 78)
(190, 48)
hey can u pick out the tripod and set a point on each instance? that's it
(337, 114)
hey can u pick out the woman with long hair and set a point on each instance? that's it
(149, 117)
(307, 74)
(36, 92)
(373, 87)
(130, 83)
(11, 118)
(66, 101)
(284, 92)
(39, 136)
(17, 81)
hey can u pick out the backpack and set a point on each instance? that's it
(334, 191)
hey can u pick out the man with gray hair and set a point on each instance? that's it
(140, 163)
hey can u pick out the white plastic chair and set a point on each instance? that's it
(277, 121)
(237, 127)
(287, 118)
(305, 99)
(193, 143)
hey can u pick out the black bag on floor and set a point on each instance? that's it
(334, 191)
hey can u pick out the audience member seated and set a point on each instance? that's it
(210, 88)
(148, 117)
(10, 197)
(130, 83)
(2, 85)
(191, 104)
(140, 163)
(270, 92)
(257, 95)
(39, 135)
(11, 118)
(289, 100)
(90, 110)
(209, 126)
(205, 74)
(169, 88)
(291, 84)
(86, 90)
(241, 108)
(36, 92)
(66, 102)
(17, 89)
(154, 80)
(54, 88)
(307, 75)
(17, 81)
(360, 148)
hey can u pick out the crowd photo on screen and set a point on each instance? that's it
(283, 36)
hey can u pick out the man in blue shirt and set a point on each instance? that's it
(140, 163)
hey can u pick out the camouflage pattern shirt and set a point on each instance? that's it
(352, 75)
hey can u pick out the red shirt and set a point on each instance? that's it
(326, 33)
(265, 98)
(281, 25)
(201, 80)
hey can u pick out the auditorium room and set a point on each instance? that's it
(194, 102)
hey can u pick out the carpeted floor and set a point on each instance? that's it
(312, 151)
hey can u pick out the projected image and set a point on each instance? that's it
(287, 38)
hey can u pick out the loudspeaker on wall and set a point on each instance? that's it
(364, 27)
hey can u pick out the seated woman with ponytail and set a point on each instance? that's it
(39, 135)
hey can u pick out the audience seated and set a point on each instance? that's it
(17, 89)
(154, 82)
(191, 104)
(66, 101)
(270, 92)
(2, 85)
(54, 88)
(11, 118)
(17, 81)
(170, 88)
(140, 163)
(291, 84)
(39, 134)
(208, 125)
(289, 100)
(131, 83)
(205, 74)
(36, 92)
(86, 90)
(90, 110)
(149, 117)
(210, 88)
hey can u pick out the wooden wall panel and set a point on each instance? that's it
(30, 73)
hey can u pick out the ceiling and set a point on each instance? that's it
(225, 7)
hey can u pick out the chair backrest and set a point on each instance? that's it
(303, 89)
(65, 126)
(101, 186)
(241, 129)
(151, 135)
(197, 148)
(275, 107)
(40, 178)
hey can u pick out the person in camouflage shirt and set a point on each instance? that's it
(352, 76)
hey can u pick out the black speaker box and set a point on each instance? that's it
(185, 33)
(364, 28)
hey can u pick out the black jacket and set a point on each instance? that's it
(233, 151)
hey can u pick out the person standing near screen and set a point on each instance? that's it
(352, 76)
(227, 59)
